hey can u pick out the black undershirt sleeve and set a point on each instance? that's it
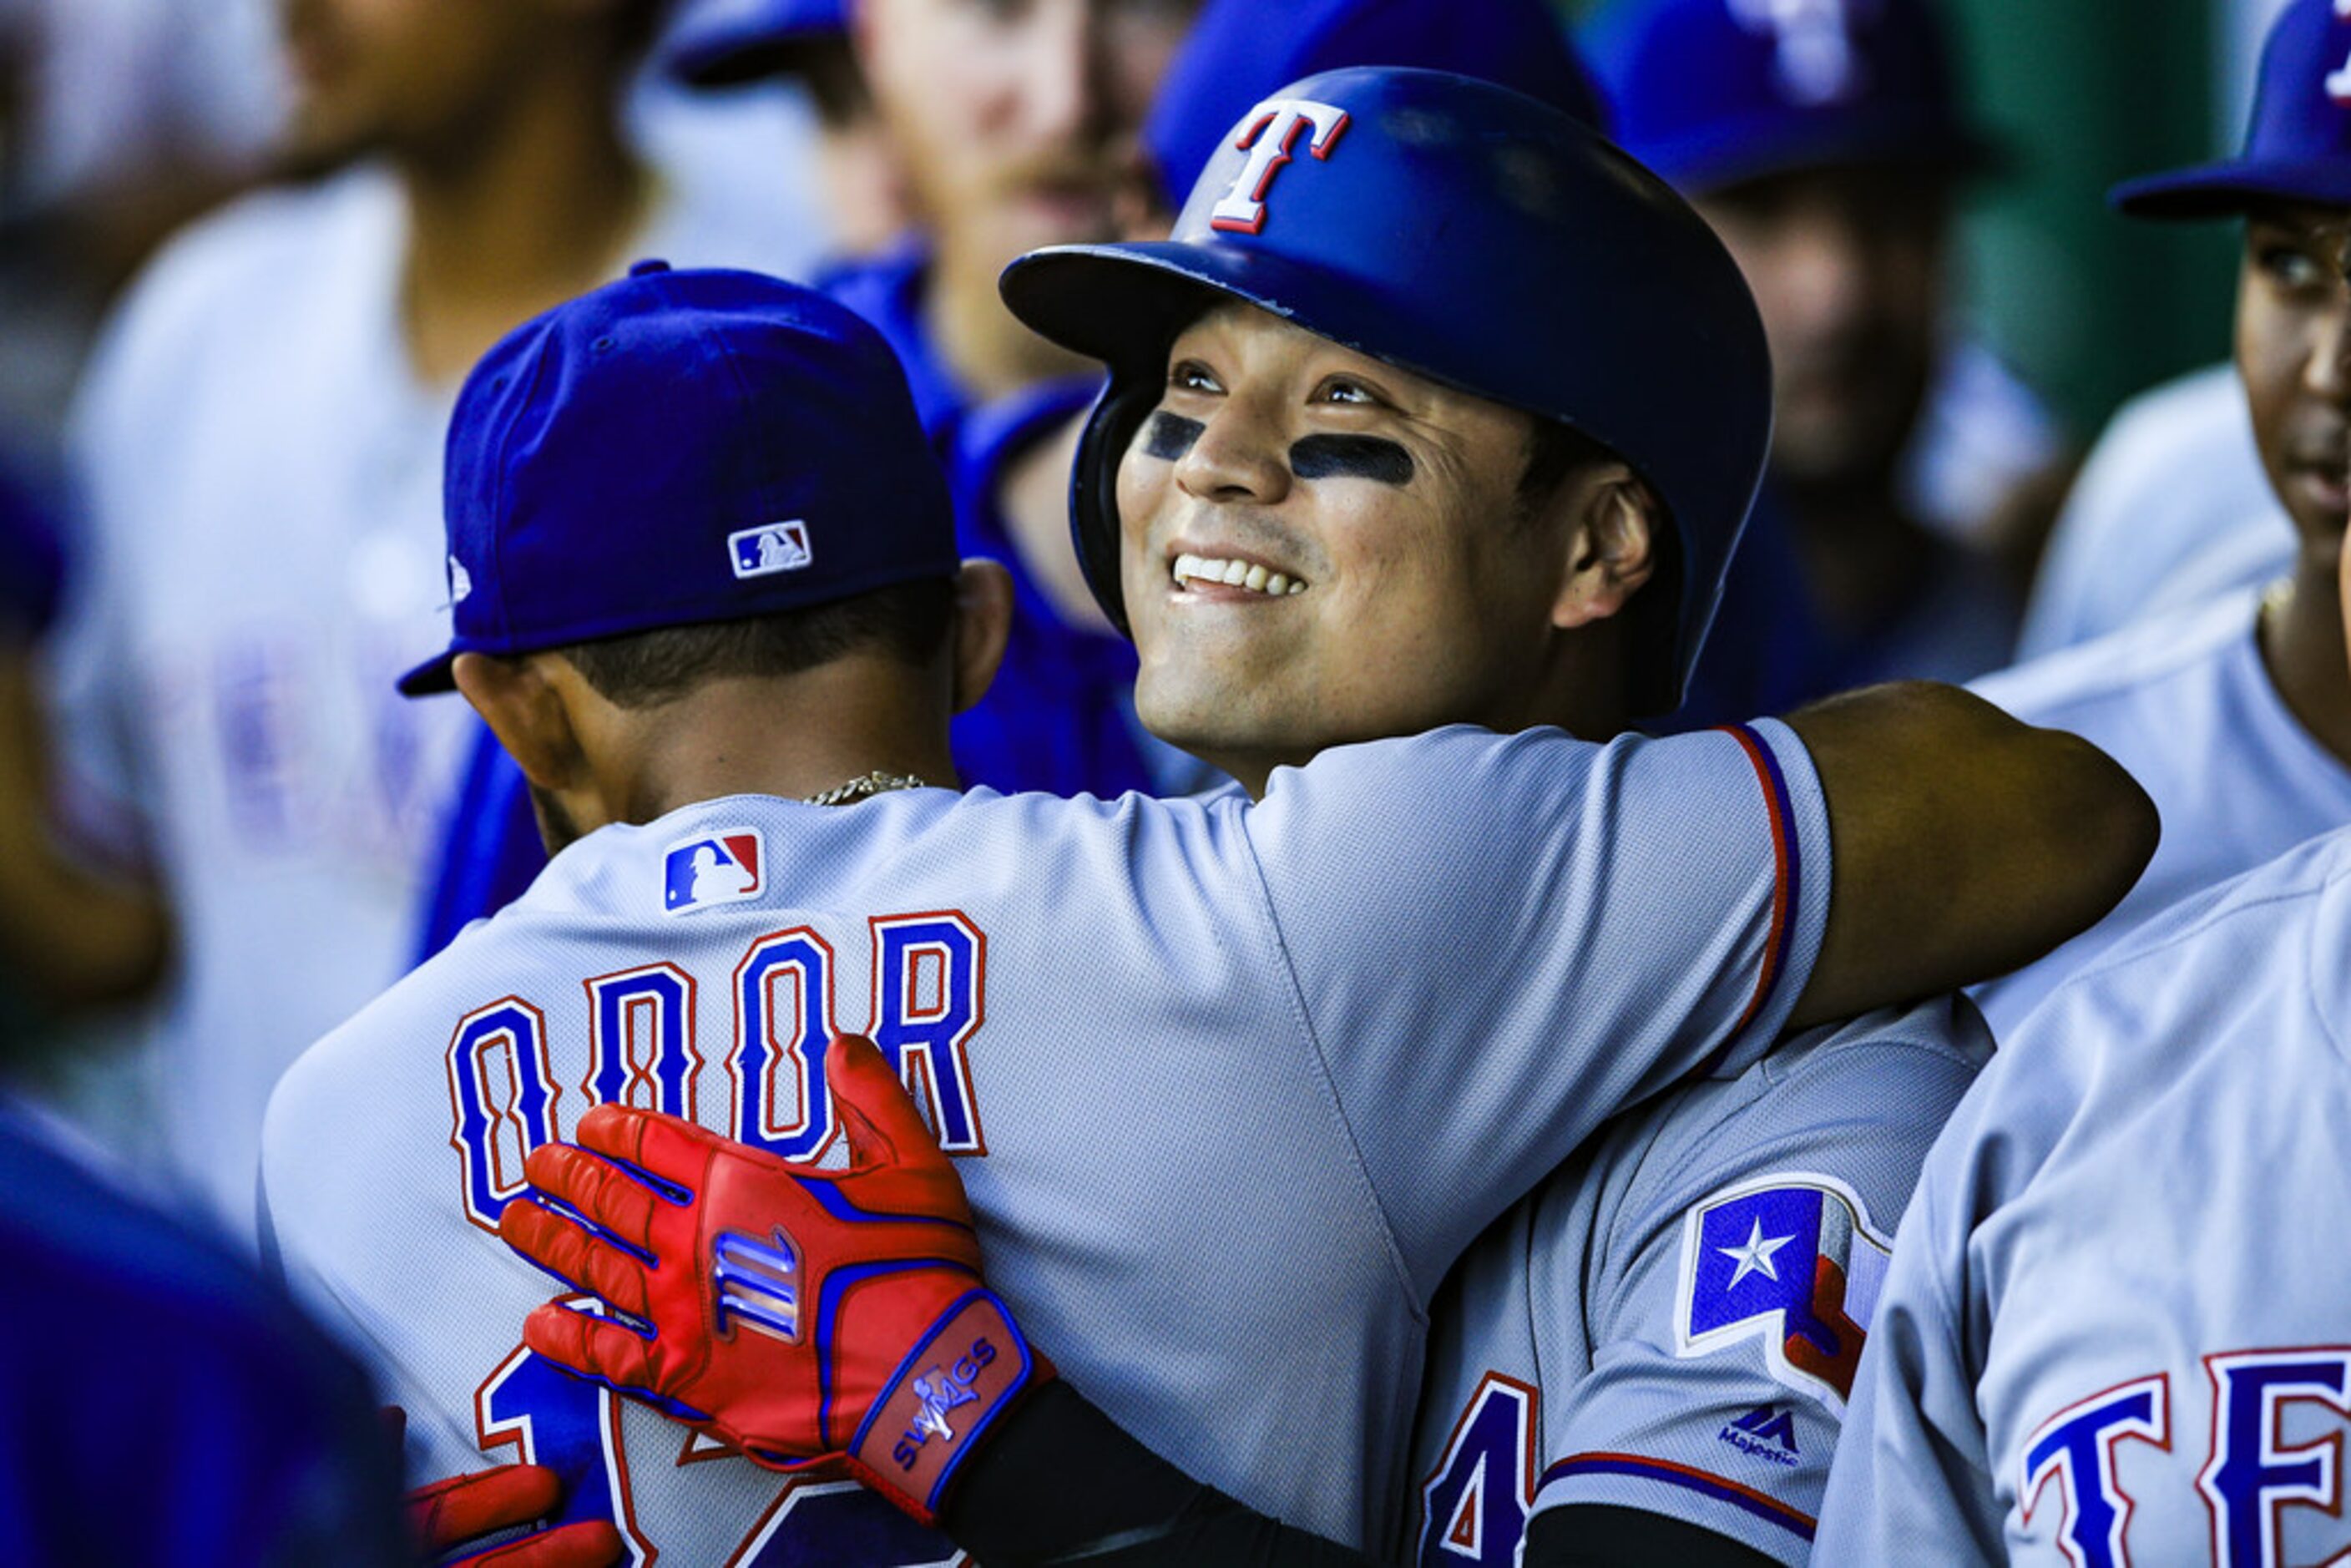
(1594, 1535)
(1060, 1483)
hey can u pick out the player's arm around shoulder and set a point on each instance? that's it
(1967, 843)
(1728, 1305)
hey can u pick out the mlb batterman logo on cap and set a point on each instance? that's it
(675, 448)
(2298, 148)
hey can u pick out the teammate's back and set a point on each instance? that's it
(1121, 1007)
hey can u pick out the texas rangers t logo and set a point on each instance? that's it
(1269, 136)
(1791, 1260)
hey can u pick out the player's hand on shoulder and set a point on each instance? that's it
(444, 1515)
(825, 1320)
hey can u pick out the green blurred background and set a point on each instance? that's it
(2090, 306)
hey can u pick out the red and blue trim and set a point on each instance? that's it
(1771, 1510)
(1786, 864)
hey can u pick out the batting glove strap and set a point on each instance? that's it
(935, 1410)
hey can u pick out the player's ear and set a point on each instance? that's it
(1611, 543)
(983, 623)
(526, 711)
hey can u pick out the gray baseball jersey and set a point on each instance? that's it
(1235, 1083)
(2184, 702)
(1671, 1322)
(2115, 1329)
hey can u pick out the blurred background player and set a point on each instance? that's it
(258, 449)
(2235, 714)
(722, 45)
(1828, 144)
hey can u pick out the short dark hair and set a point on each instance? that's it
(1653, 618)
(907, 621)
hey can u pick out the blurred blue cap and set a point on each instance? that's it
(720, 43)
(2299, 145)
(676, 448)
(1712, 92)
(1240, 52)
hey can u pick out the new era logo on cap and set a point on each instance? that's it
(769, 549)
(721, 868)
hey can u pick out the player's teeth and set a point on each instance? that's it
(1277, 585)
(1236, 574)
(1256, 578)
(1297, 587)
(1187, 567)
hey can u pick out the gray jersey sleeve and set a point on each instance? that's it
(1749, 1237)
(1605, 920)
(1914, 1463)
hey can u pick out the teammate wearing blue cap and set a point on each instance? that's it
(2236, 714)
(1061, 716)
(1010, 127)
(1275, 976)
(1825, 143)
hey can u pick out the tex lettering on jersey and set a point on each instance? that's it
(2274, 1455)
(1790, 1261)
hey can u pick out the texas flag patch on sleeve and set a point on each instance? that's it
(1791, 1261)
(717, 868)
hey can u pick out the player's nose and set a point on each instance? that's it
(1237, 459)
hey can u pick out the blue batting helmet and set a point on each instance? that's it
(1467, 233)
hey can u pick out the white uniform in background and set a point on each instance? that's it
(2186, 705)
(2115, 1327)
(2175, 471)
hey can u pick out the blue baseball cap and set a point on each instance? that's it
(721, 43)
(1239, 52)
(1710, 93)
(677, 448)
(2298, 147)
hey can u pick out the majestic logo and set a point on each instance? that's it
(1791, 1260)
(1269, 136)
(723, 868)
(1766, 1432)
(767, 551)
(1815, 62)
(758, 1282)
(940, 1390)
(461, 581)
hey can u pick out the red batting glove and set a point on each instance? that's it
(834, 1320)
(447, 1513)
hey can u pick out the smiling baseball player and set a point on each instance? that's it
(1113, 1008)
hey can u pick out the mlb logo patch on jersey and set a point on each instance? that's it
(723, 868)
(1790, 1261)
(775, 546)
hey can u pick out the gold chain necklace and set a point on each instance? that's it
(875, 783)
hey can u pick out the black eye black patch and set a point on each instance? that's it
(1369, 457)
(1169, 436)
